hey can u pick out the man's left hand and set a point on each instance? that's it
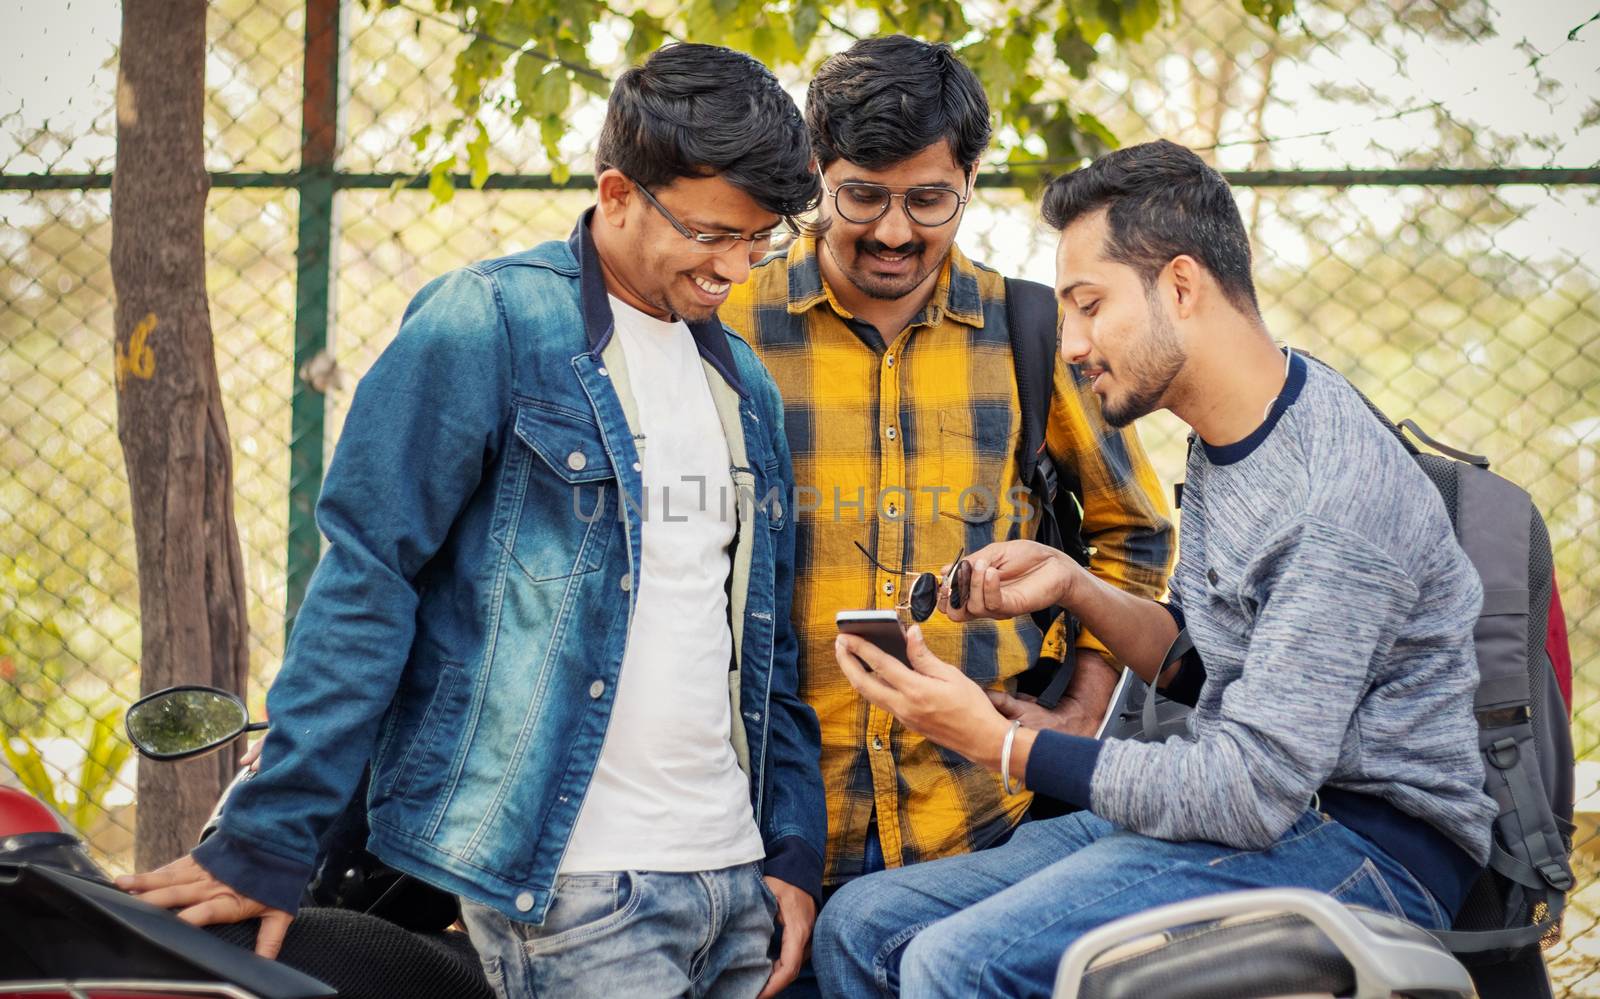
(797, 912)
(929, 697)
(1080, 710)
(1067, 716)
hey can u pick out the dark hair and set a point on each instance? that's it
(704, 110)
(884, 99)
(1164, 202)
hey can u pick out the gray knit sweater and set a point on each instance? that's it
(1326, 594)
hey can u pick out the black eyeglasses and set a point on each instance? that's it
(713, 242)
(862, 203)
(923, 596)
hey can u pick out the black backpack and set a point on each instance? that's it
(1524, 731)
(1032, 320)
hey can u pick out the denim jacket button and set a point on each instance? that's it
(604, 372)
(596, 689)
(576, 461)
(524, 901)
(626, 583)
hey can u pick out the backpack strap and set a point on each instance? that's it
(1032, 323)
(1150, 720)
(1031, 313)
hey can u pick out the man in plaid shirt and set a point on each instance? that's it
(892, 353)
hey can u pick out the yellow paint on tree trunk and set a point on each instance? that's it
(139, 360)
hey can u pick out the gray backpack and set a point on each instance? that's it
(1524, 730)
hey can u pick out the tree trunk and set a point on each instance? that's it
(169, 404)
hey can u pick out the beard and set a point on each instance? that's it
(1148, 371)
(885, 287)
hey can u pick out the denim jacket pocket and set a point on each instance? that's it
(432, 742)
(559, 499)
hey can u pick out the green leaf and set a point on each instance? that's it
(646, 36)
(764, 42)
(1097, 130)
(419, 138)
(440, 184)
(560, 173)
(475, 65)
(1074, 50)
(1138, 17)
(805, 20)
(553, 93)
(599, 86)
(478, 157)
(525, 83)
(1271, 11)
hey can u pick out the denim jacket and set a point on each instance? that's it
(465, 627)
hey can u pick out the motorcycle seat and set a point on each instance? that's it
(1241, 957)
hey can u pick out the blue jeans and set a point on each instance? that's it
(634, 933)
(996, 923)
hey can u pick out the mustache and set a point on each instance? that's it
(910, 249)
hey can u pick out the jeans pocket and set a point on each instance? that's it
(1367, 887)
(766, 890)
(584, 906)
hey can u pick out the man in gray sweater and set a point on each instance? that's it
(1332, 744)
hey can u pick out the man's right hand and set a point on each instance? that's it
(1011, 578)
(202, 900)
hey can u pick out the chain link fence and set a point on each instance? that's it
(1473, 307)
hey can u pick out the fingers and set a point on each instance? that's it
(269, 939)
(787, 967)
(991, 588)
(180, 896)
(1006, 704)
(796, 915)
(851, 653)
(252, 755)
(181, 871)
(228, 908)
(922, 659)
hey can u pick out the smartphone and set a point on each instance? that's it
(880, 627)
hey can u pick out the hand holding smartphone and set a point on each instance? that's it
(880, 627)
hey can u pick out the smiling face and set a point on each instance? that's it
(1114, 327)
(893, 256)
(654, 267)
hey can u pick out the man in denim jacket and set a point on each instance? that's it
(553, 614)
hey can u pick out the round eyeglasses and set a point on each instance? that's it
(862, 203)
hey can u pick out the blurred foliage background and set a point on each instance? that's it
(1472, 307)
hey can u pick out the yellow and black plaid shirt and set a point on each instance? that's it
(908, 447)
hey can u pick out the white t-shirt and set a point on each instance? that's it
(668, 793)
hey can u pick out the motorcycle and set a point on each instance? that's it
(65, 932)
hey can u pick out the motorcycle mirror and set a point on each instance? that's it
(184, 721)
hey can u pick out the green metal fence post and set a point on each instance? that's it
(313, 306)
